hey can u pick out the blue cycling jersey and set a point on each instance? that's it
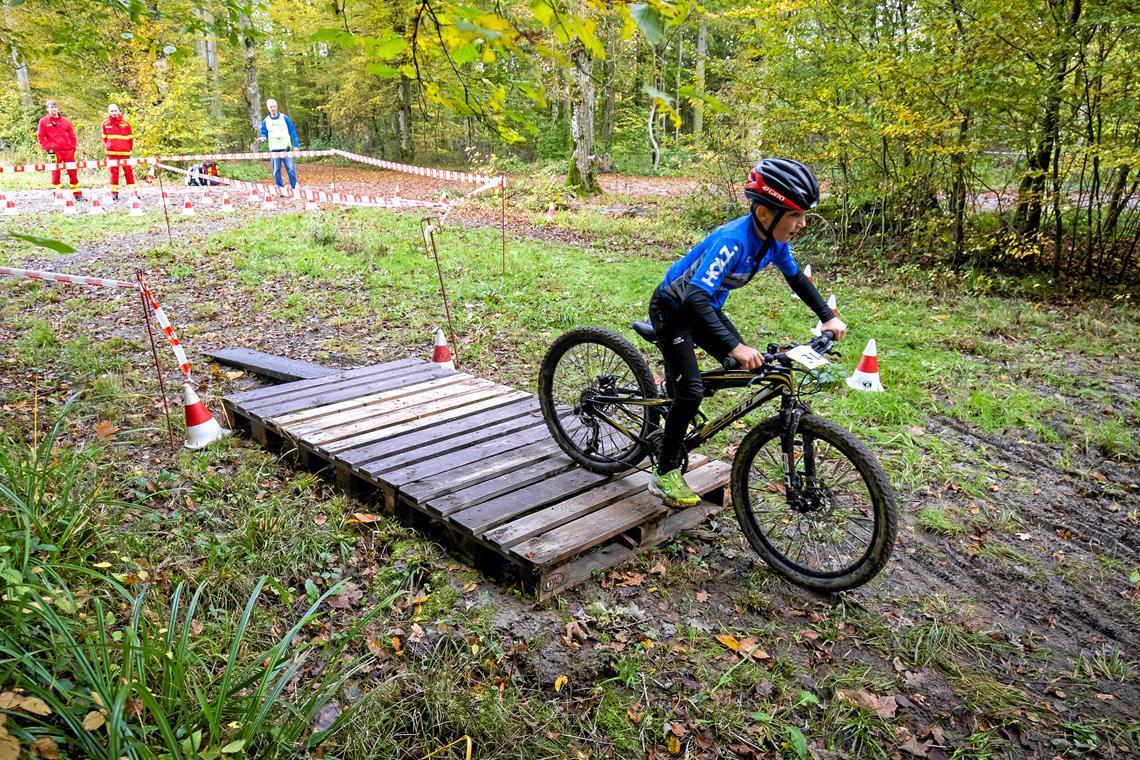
(726, 260)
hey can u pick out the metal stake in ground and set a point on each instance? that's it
(157, 366)
(428, 226)
(169, 238)
(503, 218)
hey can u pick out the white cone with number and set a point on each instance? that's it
(201, 427)
(69, 207)
(268, 204)
(866, 374)
(550, 213)
(440, 353)
(227, 206)
(7, 206)
(311, 201)
(207, 199)
(818, 329)
(96, 207)
(187, 208)
(136, 207)
(57, 197)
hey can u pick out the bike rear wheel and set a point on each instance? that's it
(581, 366)
(832, 525)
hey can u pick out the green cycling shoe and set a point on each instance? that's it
(672, 489)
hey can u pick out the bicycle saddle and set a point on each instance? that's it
(646, 331)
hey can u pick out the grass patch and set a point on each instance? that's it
(939, 521)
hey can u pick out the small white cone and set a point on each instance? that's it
(136, 207)
(268, 204)
(187, 208)
(57, 198)
(201, 427)
(807, 274)
(7, 206)
(254, 197)
(69, 208)
(227, 206)
(550, 213)
(207, 199)
(818, 329)
(866, 374)
(96, 207)
(440, 353)
(310, 201)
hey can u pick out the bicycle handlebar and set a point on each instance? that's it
(821, 345)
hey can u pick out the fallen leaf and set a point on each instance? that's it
(678, 730)
(34, 705)
(9, 745)
(326, 717)
(635, 713)
(105, 429)
(93, 720)
(884, 707)
(673, 745)
(729, 641)
(363, 517)
(560, 682)
(469, 587)
(575, 633)
(658, 569)
(233, 747)
(631, 578)
(46, 748)
(1106, 697)
(1024, 536)
(916, 748)
(702, 597)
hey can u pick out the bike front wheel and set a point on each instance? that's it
(828, 521)
(586, 375)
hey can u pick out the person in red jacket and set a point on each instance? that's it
(57, 137)
(118, 142)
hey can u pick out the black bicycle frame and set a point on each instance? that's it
(775, 382)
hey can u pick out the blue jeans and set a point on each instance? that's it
(289, 169)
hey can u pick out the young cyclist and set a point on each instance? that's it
(686, 307)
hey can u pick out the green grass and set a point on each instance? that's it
(937, 520)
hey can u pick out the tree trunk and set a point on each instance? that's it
(407, 145)
(252, 89)
(215, 79)
(605, 158)
(1031, 191)
(702, 51)
(20, 65)
(653, 140)
(958, 191)
(677, 87)
(581, 176)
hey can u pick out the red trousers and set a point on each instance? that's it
(128, 176)
(62, 156)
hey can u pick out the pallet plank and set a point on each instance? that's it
(280, 368)
(269, 391)
(448, 478)
(370, 405)
(482, 517)
(372, 424)
(347, 389)
(445, 463)
(599, 526)
(489, 489)
(447, 445)
(524, 410)
(438, 416)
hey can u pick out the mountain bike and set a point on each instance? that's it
(812, 500)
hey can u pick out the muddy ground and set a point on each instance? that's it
(1016, 626)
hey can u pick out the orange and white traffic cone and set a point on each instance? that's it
(807, 274)
(441, 354)
(818, 329)
(254, 197)
(396, 194)
(7, 206)
(207, 199)
(69, 207)
(226, 205)
(268, 204)
(310, 201)
(57, 198)
(96, 207)
(187, 208)
(136, 207)
(550, 213)
(866, 374)
(201, 427)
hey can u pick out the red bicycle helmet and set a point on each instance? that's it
(782, 183)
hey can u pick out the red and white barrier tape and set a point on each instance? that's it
(343, 199)
(100, 282)
(167, 329)
(104, 163)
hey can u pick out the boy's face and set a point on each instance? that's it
(53, 111)
(790, 223)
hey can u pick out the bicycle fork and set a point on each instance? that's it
(791, 411)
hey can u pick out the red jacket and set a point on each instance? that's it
(56, 134)
(117, 139)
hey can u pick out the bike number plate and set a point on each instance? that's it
(808, 357)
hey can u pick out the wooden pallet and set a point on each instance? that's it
(472, 459)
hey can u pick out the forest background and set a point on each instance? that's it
(960, 132)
